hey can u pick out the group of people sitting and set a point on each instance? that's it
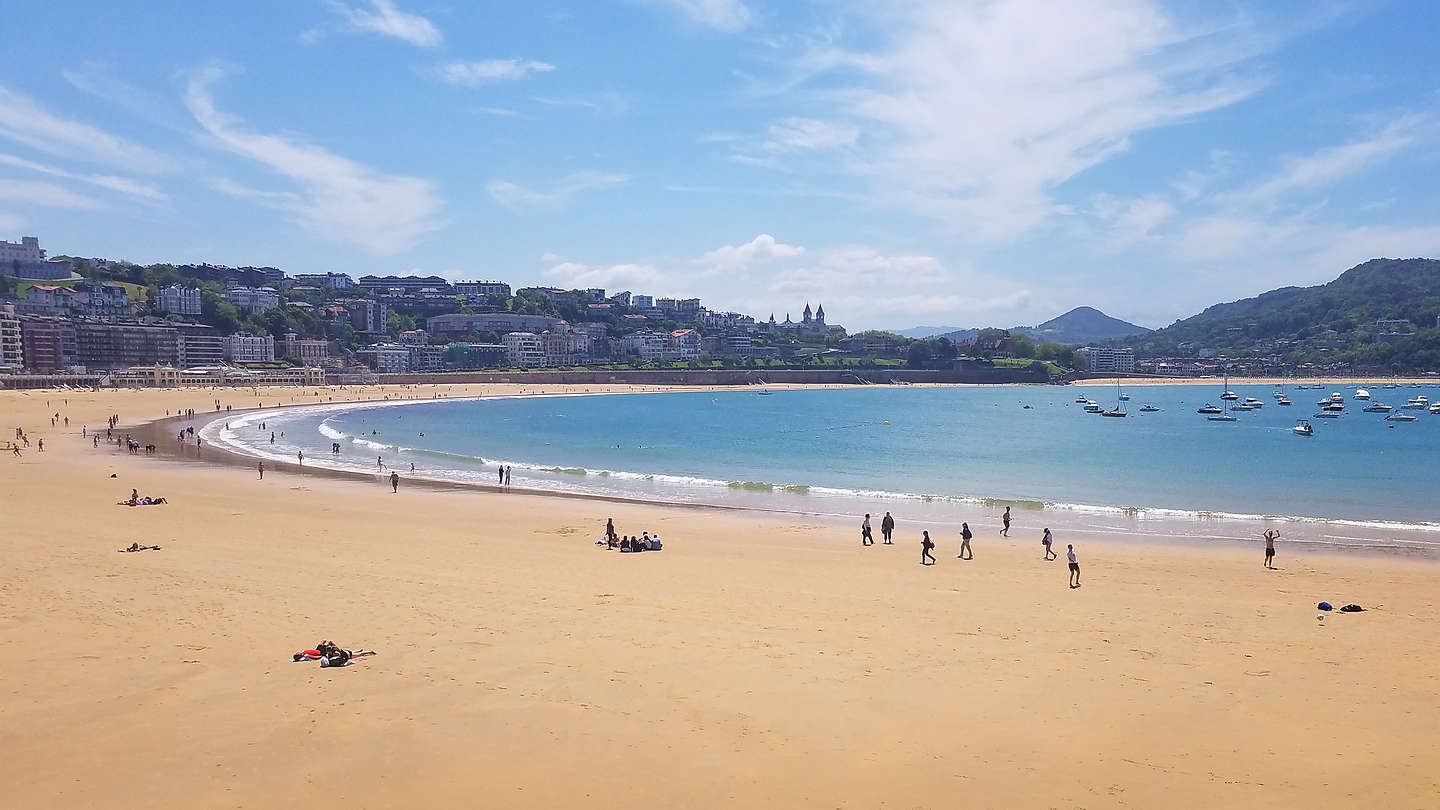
(628, 543)
(330, 655)
(136, 500)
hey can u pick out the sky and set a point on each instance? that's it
(939, 162)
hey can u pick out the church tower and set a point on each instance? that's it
(809, 318)
(820, 316)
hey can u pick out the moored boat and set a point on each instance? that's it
(1302, 428)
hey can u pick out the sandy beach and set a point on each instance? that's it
(759, 661)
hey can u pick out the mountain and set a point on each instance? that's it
(1079, 325)
(921, 332)
(1331, 316)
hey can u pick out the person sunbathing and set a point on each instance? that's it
(138, 547)
(330, 655)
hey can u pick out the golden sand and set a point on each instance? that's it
(759, 661)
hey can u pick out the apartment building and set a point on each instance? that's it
(179, 300)
(523, 349)
(245, 348)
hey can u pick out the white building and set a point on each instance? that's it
(683, 344)
(11, 354)
(642, 302)
(523, 349)
(335, 281)
(304, 351)
(254, 299)
(482, 289)
(385, 359)
(179, 300)
(244, 348)
(648, 345)
(198, 345)
(1105, 359)
(424, 357)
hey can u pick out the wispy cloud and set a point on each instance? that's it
(608, 103)
(721, 15)
(1326, 166)
(576, 275)
(807, 133)
(11, 223)
(335, 198)
(380, 17)
(515, 196)
(499, 112)
(978, 113)
(487, 71)
(24, 121)
(124, 185)
(1128, 222)
(48, 195)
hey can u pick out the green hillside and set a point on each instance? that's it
(1328, 323)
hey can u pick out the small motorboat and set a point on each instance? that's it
(1334, 406)
(1209, 409)
(1116, 412)
(1148, 408)
(1284, 401)
(1435, 409)
(1124, 397)
(1420, 403)
(1253, 402)
(1361, 393)
(1230, 395)
(1400, 417)
(1377, 407)
(1326, 415)
(1244, 406)
(1223, 417)
(1081, 400)
(1302, 428)
(1091, 406)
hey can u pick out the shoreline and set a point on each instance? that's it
(1161, 526)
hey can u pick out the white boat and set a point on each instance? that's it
(1225, 398)
(1302, 428)
(1400, 417)
(1284, 401)
(1435, 409)
(1224, 417)
(1148, 408)
(1377, 407)
(1229, 395)
(1124, 397)
(1092, 407)
(1336, 396)
(1326, 415)
(1081, 400)
(1253, 402)
(1209, 409)
(1362, 394)
(1244, 406)
(1420, 403)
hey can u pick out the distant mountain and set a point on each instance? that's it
(1079, 325)
(921, 332)
(1332, 316)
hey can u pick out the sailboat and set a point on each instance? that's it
(1119, 409)
(1225, 397)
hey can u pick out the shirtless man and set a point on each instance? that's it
(1270, 537)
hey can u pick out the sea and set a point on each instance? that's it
(932, 456)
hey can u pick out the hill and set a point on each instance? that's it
(922, 332)
(1079, 325)
(1337, 319)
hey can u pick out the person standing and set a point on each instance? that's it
(610, 530)
(508, 470)
(866, 538)
(965, 536)
(261, 467)
(394, 482)
(1270, 536)
(925, 545)
(501, 473)
(887, 528)
(1046, 541)
(301, 455)
(1005, 520)
(1074, 566)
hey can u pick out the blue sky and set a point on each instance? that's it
(915, 161)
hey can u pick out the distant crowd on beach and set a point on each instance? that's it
(629, 544)
(927, 546)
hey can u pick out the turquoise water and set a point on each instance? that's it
(936, 454)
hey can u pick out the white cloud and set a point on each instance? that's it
(124, 185)
(977, 113)
(737, 258)
(383, 18)
(26, 122)
(49, 195)
(576, 275)
(487, 71)
(1129, 222)
(1327, 166)
(808, 133)
(336, 198)
(608, 103)
(10, 223)
(512, 195)
(721, 15)
(498, 112)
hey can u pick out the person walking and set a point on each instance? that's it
(1046, 541)
(1005, 520)
(1270, 537)
(394, 482)
(965, 536)
(887, 528)
(261, 467)
(1074, 566)
(925, 545)
(866, 538)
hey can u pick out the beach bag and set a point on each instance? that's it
(1351, 609)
